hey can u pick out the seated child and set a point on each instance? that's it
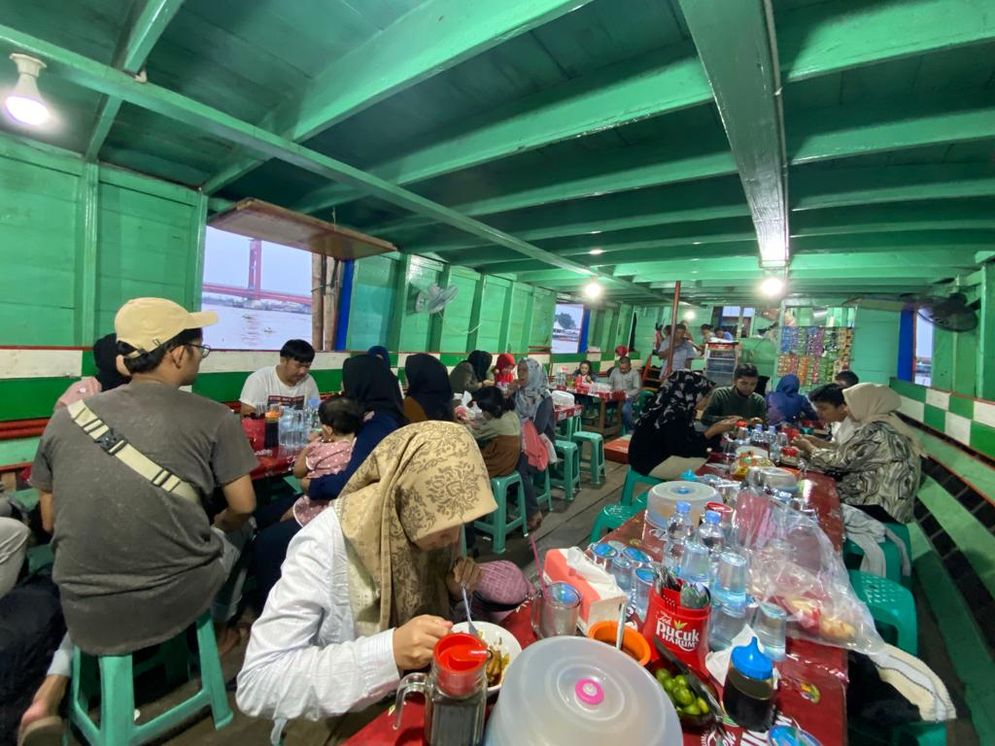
(328, 451)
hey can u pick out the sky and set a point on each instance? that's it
(226, 261)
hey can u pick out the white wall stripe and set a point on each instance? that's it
(912, 408)
(238, 361)
(958, 427)
(984, 412)
(41, 363)
(939, 399)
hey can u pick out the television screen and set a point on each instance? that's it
(566, 327)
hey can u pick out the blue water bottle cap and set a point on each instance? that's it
(689, 476)
(751, 662)
(683, 506)
(712, 516)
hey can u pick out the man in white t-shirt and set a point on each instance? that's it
(288, 383)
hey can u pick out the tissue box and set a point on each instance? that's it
(597, 604)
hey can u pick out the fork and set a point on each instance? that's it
(469, 621)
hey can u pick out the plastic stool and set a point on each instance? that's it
(596, 463)
(117, 696)
(545, 491)
(632, 478)
(567, 428)
(611, 517)
(570, 478)
(890, 604)
(497, 524)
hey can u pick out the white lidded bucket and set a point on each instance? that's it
(663, 499)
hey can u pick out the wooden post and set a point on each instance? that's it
(332, 277)
(318, 301)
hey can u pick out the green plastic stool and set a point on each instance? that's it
(117, 696)
(596, 462)
(853, 554)
(632, 478)
(891, 604)
(544, 490)
(498, 524)
(569, 478)
(567, 428)
(611, 517)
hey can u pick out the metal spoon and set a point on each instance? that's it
(469, 621)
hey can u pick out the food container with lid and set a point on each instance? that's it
(664, 497)
(577, 691)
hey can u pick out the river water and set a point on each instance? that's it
(254, 329)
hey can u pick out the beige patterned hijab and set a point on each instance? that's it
(872, 402)
(419, 480)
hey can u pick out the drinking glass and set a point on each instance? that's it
(769, 624)
(643, 583)
(725, 623)
(696, 566)
(729, 586)
(556, 610)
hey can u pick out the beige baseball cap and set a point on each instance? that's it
(148, 323)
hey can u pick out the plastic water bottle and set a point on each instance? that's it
(710, 534)
(312, 421)
(678, 531)
(287, 428)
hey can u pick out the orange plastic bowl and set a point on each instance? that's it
(633, 643)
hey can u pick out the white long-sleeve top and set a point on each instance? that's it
(304, 657)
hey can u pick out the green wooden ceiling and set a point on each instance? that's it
(675, 139)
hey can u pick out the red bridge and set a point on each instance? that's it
(254, 290)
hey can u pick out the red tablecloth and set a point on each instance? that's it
(812, 689)
(276, 463)
(563, 413)
(585, 391)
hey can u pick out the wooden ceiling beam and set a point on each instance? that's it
(397, 58)
(649, 85)
(738, 49)
(819, 41)
(143, 31)
(104, 79)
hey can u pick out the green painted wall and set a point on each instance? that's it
(77, 240)
(875, 345)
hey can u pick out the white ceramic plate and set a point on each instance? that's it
(495, 635)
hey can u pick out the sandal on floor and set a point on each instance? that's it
(46, 731)
(535, 520)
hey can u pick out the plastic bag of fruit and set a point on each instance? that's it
(802, 572)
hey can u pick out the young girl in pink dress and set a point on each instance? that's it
(328, 452)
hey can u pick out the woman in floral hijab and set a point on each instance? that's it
(666, 441)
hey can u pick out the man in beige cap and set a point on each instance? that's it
(125, 479)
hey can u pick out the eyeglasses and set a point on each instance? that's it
(205, 350)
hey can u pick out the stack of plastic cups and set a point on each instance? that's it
(728, 600)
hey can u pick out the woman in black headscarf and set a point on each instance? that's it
(666, 442)
(111, 373)
(471, 374)
(430, 397)
(367, 380)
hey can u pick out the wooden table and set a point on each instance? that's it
(813, 676)
(604, 398)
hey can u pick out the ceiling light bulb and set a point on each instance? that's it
(24, 103)
(772, 286)
(596, 252)
(593, 290)
(689, 315)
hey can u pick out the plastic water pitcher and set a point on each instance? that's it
(578, 691)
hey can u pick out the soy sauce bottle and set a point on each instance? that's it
(748, 696)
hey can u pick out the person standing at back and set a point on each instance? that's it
(124, 479)
(739, 400)
(287, 384)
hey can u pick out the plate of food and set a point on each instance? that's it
(503, 646)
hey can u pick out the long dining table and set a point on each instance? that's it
(811, 693)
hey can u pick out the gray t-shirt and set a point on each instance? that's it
(134, 564)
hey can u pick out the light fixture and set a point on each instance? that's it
(596, 252)
(689, 315)
(593, 290)
(24, 103)
(772, 286)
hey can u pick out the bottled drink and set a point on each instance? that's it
(287, 428)
(710, 532)
(678, 531)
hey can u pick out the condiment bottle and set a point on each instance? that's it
(272, 432)
(455, 692)
(748, 696)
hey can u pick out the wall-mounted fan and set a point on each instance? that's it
(952, 313)
(434, 298)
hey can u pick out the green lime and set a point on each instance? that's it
(684, 697)
(669, 686)
(663, 675)
(681, 679)
(702, 705)
(691, 710)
